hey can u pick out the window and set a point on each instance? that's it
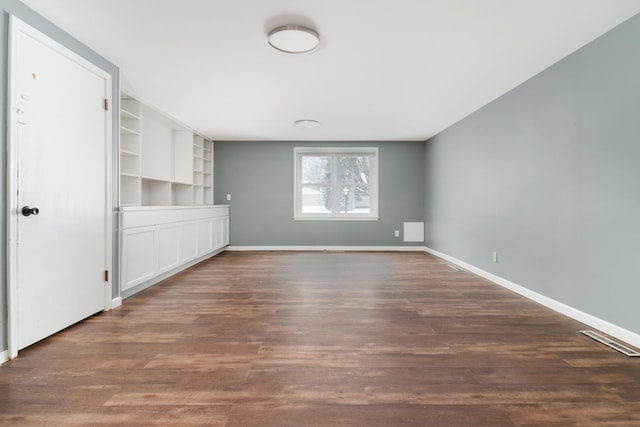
(336, 183)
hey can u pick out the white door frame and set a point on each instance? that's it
(18, 26)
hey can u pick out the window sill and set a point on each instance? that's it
(334, 218)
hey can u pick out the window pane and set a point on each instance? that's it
(355, 199)
(354, 169)
(316, 198)
(315, 170)
(336, 183)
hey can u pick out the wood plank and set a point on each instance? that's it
(314, 338)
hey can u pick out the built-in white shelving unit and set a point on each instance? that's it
(167, 219)
(161, 162)
(207, 173)
(202, 171)
(130, 150)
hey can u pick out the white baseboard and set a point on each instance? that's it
(116, 302)
(4, 356)
(328, 248)
(586, 318)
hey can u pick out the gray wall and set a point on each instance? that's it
(18, 9)
(259, 176)
(548, 175)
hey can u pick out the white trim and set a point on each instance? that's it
(336, 150)
(116, 302)
(327, 248)
(4, 356)
(344, 217)
(335, 153)
(17, 26)
(12, 166)
(108, 154)
(586, 318)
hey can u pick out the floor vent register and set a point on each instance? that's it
(612, 344)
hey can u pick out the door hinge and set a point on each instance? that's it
(106, 104)
(106, 275)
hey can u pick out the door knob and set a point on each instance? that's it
(27, 211)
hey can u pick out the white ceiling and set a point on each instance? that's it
(385, 70)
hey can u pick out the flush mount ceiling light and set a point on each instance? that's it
(307, 123)
(293, 39)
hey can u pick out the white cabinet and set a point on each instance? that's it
(156, 145)
(168, 247)
(189, 242)
(220, 231)
(182, 157)
(138, 261)
(159, 241)
(204, 238)
(225, 231)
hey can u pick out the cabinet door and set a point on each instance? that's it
(168, 247)
(204, 237)
(156, 145)
(138, 256)
(182, 171)
(216, 233)
(225, 231)
(189, 242)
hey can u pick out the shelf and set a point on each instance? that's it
(130, 181)
(129, 190)
(198, 141)
(124, 114)
(129, 108)
(197, 178)
(129, 153)
(181, 194)
(156, 193)
(198, 196)
(131, 175)
(129, 165)
(197, 165)
(129, 131)
(207, 175)
(130, 143)
(208, 151)
(208, 196)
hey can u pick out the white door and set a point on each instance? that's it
(60, 152)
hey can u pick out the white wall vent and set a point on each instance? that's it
(413, 232)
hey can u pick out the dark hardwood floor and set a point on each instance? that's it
(322, 339)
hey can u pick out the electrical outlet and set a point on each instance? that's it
(228, 196)
(494, 256)
(397, 233)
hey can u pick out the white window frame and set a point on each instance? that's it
(335, 152)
